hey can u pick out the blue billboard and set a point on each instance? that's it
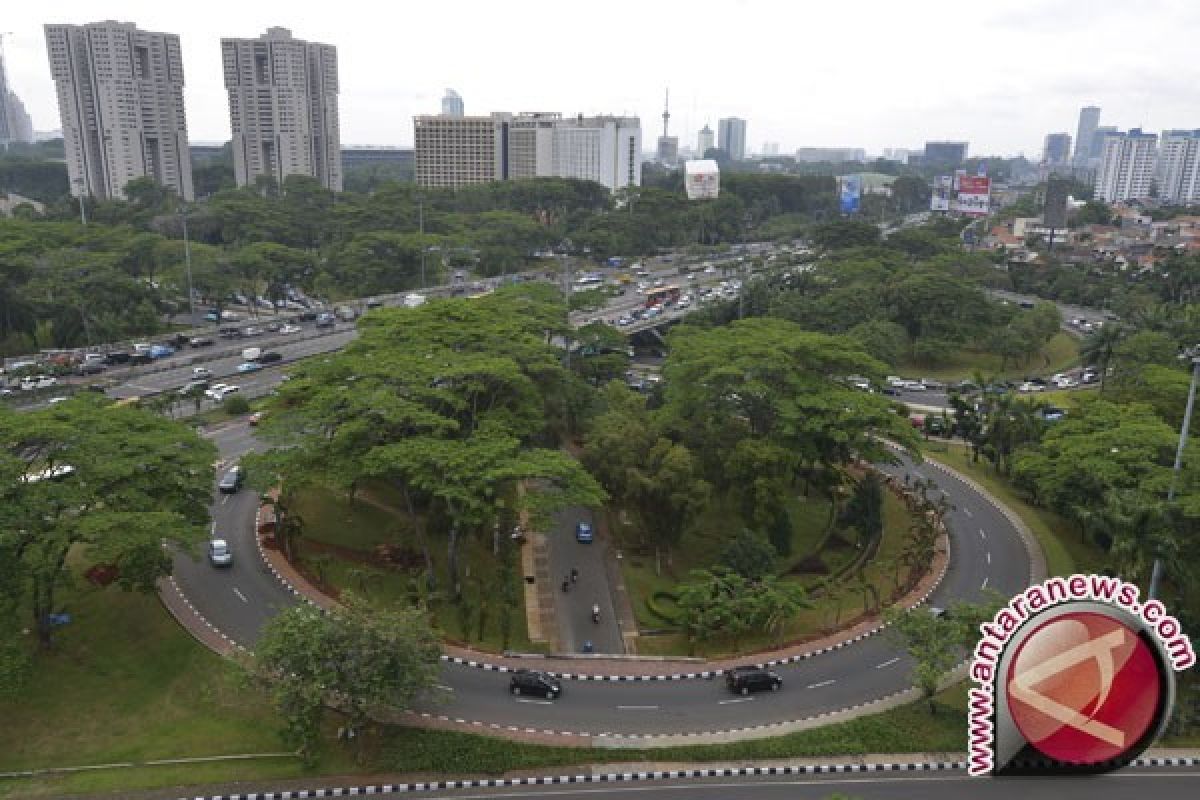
(851, 193)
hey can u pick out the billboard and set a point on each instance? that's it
(1055, 212)
(940, 199)
(850, 193)
(701, 179)
(973, 195)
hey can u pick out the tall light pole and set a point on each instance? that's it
(187, 259)
(1192, 353)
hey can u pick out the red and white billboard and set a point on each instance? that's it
(974, 194)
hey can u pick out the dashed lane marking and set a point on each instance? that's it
(734, 700)
(241, 596)
(637, 708)
(887, 663)
(822, 683)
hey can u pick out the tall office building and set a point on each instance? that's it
(458, 151)
(120, 98)
(946, 154)
(452, 104)
(1089, 118)
(283, 108)
(1179, 167)
(704, 141)
(15, 124)
(731, 137)
(1127, 166)
(1057, 149)
(1096, 149)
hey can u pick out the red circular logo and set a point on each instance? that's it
(1083, 688)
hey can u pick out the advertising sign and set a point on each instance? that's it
(702, 179)
(940, 199)
(1055, 212)
(851, 192)
(1073, 675)
(973, 195)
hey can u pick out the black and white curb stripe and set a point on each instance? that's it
(629, 777)
(183, 597)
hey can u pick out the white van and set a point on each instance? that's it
(251, 353)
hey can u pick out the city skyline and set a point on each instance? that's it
(829, 99)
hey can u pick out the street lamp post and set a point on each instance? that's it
(1192, 353)
(187, 259)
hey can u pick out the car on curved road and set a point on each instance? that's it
(219, 553)
(529, 681)
(745, 680)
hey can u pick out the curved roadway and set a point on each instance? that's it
(986, 552)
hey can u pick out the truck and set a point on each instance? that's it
(251, 353)
(413, 300)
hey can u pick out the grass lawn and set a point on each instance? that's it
(125, 683)
(1065, 551)
(329, 518)
(702, 547)
(1061, 352)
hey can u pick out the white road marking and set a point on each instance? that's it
(967, 511)
(637, 708)
(989, 557)
(443, 688)
(241, 596)
(822, 683)
(887, 663)
(224, 499)
(535, 702)
(984, 584)
(982, 534)
(735, 700)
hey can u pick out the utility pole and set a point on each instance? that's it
(1194, 354)
(187, 258)
(421, 228)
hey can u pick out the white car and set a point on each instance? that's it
(221, 390)
(912, 386)
(201, 372)
(289, 329)
(1028, 387)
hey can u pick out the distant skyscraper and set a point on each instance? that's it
(1127, 166)
(452, 104)
(1096, 149)
(704, 141)
(15, 124)
(120, 97)
(949, 154)
(1179, 167)
(1089, 118)
(1057, 150)
(283, 108)
(731, 137)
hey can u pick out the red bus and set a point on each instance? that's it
(662, 295)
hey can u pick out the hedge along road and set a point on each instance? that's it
(986, 552)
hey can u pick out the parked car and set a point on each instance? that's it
(745, 680)
(161, 351)
(583, 532)
(289, 329)
(137, 359)
(529, 681)
(201, 341)
(91, 367)
(249, 366)
(252, 330)
(219, 553)
(232, 480)
(201, 372)
(1030, 386)
(326, 320)
(269, 357)
(116, 357)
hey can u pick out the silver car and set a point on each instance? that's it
(219, 554)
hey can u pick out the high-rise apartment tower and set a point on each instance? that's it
(120, 98)
(283, 108)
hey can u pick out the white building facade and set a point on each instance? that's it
(1127, 166)
(1179, 167)
(120, 98)
(283, 108)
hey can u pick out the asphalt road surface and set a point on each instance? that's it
(1161, 783)
(573, 608)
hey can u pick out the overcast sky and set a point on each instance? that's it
(863, 73)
